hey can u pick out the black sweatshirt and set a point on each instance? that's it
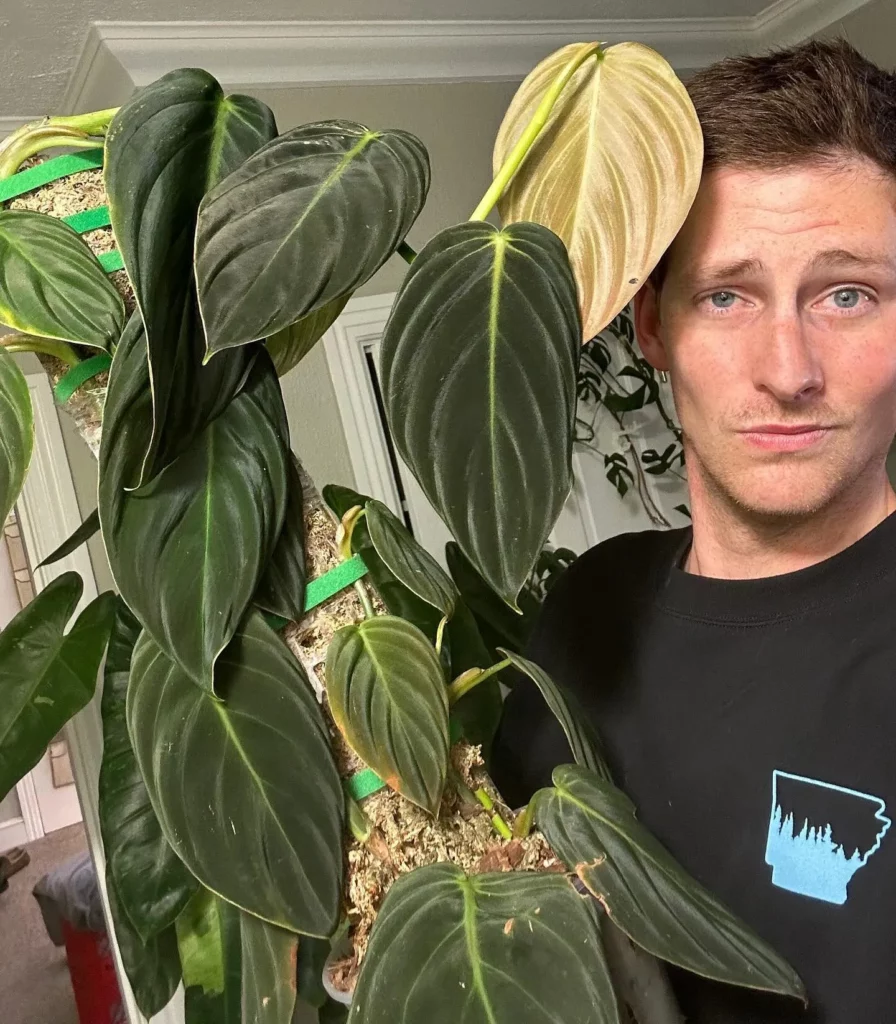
(753, 723)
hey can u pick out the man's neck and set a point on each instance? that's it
(730, 543)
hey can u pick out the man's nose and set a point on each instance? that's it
(785, 361)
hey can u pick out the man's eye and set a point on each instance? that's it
(847, 298)
(723, 300)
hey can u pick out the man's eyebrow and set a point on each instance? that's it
(832, 258)
(721, 272)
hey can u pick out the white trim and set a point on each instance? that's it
(30, 807)
(362, 319)
(309, 53)
(48, 514)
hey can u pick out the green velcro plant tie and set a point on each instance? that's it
(50, 170)
(363, 784)
(110, 261)
(80, 374)
(324, 587)
(89, 220)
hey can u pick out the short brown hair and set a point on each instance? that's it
(815, 101)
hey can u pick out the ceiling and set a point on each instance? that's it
(44, 39)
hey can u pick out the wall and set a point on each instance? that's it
(457, 123)
(871, 29)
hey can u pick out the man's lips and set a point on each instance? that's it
(785, 437)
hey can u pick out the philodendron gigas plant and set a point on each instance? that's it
(278, 754)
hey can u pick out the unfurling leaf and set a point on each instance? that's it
(46, 675)
(388, 696)
(408, 560)
(592, 827)
(520, 946)
(249, 797)
(289, 346)
(151, 883)
(188, 549)
(614, 172)
(52, 285)
(16, 432)
(85, 531)
(170, 143)
(584, 746)
(302, 224)
(479, 365)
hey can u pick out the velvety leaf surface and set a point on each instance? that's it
(289, 346)
(152, 968)
(170, 143)
(479, 362)
(151, 882)
(51, 284)
(188, 549)
(47, 676)
(592, 827)
(387, 694)
(408, 561)
(249, 798)
(269, 971)
(614, 171)
(282, 587)
(304, 222)
(582, 743)
(16, 432)
(85, 531)
(448, 948)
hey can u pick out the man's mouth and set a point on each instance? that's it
(785, 437)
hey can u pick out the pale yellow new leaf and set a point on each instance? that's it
(613, 173)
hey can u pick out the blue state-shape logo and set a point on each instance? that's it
(820, 835)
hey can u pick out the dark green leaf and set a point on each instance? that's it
(46, 676)
(479, 711)
(333, 1013)
(290, 346)
(188, 549)
(387, 694)
(269, 972)
(16, 432)
(448, 947)
(282, 588)
(152, 968)
(251, 799)
(208, 938)
(170, 143)
(479, 365)
(592, 827)
(582, 743)
(52, 284)
(305, 221)
(83, 534)
(152, 884)
(499, 624)
(311, 958)
(395, 596)
(408, 561)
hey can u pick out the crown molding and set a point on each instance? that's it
(318, 53)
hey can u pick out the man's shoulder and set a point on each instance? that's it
(628, 560)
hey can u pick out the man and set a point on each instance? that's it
(742, 673)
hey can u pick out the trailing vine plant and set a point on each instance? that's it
(616, 383)
(297, 700)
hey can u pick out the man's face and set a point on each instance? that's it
(777, 322)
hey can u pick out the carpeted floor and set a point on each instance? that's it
(35, 987)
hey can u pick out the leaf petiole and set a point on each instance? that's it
(40, 346)
(466, 681)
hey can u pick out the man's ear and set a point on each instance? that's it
(647, 327)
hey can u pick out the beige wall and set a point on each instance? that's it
(457, 123)
(871, 29)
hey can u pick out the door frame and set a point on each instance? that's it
(48, 514)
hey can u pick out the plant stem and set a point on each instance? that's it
(406, 252)
(358, 821)
(523, 824)
(499, 823)
(519, 152)
(40, 346)
(77, 132)
(440, 633)
(369, 613)
(465, 682)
